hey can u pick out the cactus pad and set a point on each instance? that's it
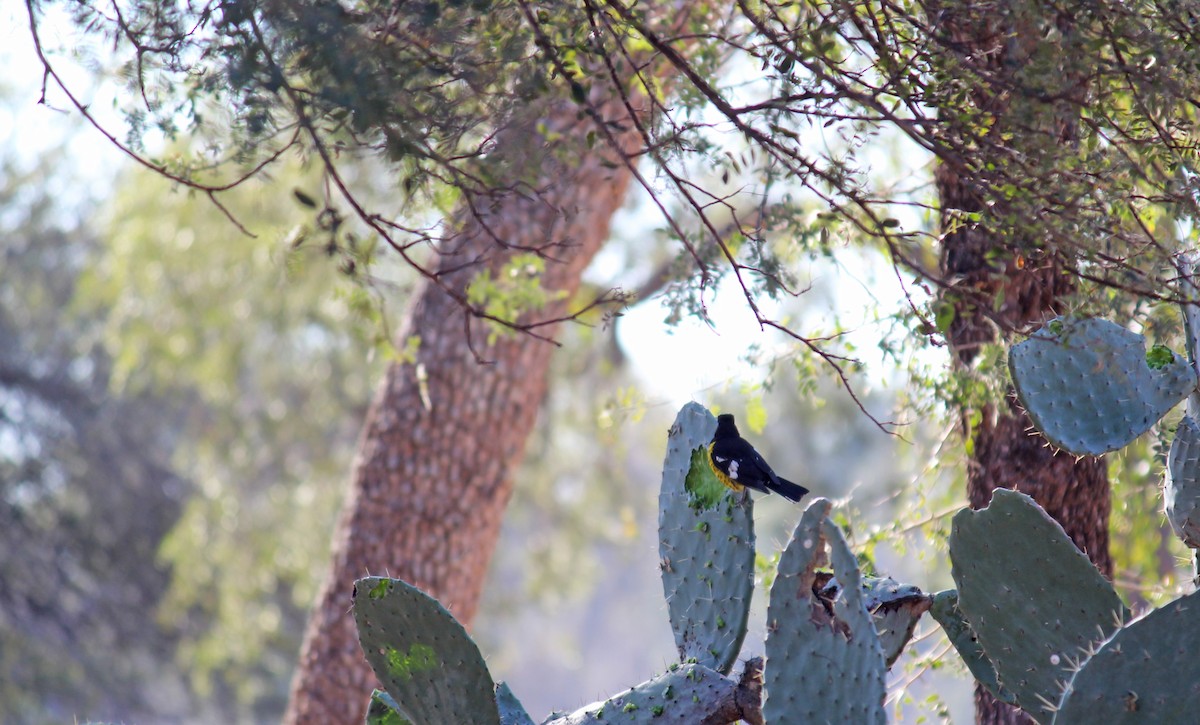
(706, 548)
(512, 712)
(422, 655)
(686, 694)
(895, 608)
(383, 710)
(946, 612)
(824, 663)
(1035, 602)
(1088, 387)
(1146, 673)
(1181, 489)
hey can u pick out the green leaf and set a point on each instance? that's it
(943, 315)
(756, 414)
(1159, 356)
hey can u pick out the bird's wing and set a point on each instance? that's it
(762, 466)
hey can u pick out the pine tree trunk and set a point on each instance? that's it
(444, 435)
(1006, 451)
(1000, 284)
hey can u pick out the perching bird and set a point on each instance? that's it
(739, 466)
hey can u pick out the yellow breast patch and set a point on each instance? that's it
(724, 479)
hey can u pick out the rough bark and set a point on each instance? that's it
(1008, 453)
(444, 434)
(1006, 450)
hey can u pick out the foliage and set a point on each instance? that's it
(514, 292)
(775, 108)
(87, 485)
(1094, 169)
(271, 343)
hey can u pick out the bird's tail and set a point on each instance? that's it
(791, 491)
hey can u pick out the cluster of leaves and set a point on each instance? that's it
(427, 80)
(1068, 128)
(514, 291)
(425, 85)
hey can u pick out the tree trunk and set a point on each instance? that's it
(444, 435)
(1005, 450)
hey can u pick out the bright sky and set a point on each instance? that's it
(691, 360)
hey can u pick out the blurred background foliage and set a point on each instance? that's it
(87, 486)
(239, 368)
(275, 348)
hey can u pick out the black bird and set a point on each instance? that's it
(739, 466)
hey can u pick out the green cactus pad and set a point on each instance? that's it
(383, 710)
(686, 694)
(512, 712)
(823, 664)
(1181, 488)
(1088, 387)
(423, 657)
(1147, 673)
(945, 611)
(1035, 602)
(706, 548)
(895, 608)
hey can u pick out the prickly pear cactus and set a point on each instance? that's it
(706, 547)
(383, 710)
(685, 694)
(512, 712)
(1181, 488)
(1088, 387)
(945, 611)
(425, 659)
(895, 608)
(1145, 673)
(823, 663)
(1032, 598)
